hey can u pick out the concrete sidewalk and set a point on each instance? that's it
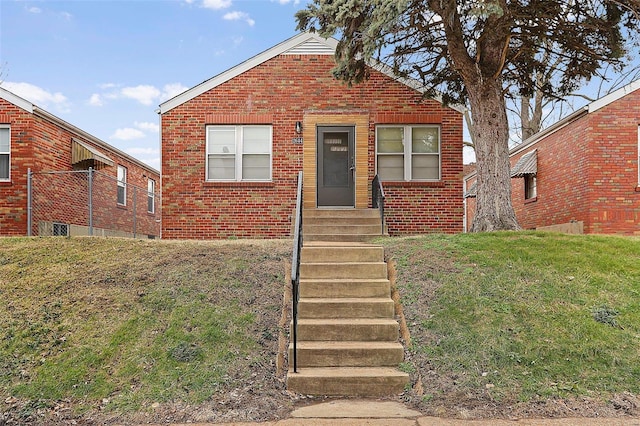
(388, 413)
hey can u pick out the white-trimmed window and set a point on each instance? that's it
(238, 153)
(419, 159)
(530, 187)
(151, 190)
(122, 185)
(5, 152)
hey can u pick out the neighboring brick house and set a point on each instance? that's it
(582, 173)
(233, 145)
(124, 191)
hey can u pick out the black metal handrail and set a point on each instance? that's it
(377, 198)
(295, 273)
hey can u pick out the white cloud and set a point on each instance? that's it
(238, 16)
(172, 89)
(34, 9)
(38, 95)
(286, 1)
(105, 86)
(149, 127)
(96, 100)
(127, 134)
(216, 4)
(66, 15)
(143, 93)
(146, 94)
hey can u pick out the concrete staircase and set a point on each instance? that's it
(346, 225)
(347, 331)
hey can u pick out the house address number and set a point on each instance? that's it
(297, 141)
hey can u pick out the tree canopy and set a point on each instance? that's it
(476, 53)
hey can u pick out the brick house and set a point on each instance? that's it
(582, 173)
(233, 145)
(124, 191)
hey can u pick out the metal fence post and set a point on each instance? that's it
(29, 201)
(135, 189)
(90, 181)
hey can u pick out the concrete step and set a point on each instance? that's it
(342, 228)
(348, 354)
(344, 253)
(340, 213)
(348, 329)
(353, 237)
(343, 270)
(346, 308)
(331, 220)
(334, 288)
(348, 381)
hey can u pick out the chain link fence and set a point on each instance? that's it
(88, 202)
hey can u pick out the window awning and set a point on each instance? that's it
(472, 191)
(84, 156)
(526, 165)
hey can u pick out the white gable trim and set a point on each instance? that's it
(16, 100)
(302, 44)
(612, 97)
(311, 43)
(587, 109)
(313, 46)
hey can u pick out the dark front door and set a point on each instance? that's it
(336, 166)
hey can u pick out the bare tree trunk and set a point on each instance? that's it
(494, 209)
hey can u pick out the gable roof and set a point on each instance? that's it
(305, 43)
(585, 110)
(16, 100)
(39, 112)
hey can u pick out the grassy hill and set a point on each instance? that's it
(525, 324)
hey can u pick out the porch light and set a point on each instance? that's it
(298, 127)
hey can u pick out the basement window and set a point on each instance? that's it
(60, 230)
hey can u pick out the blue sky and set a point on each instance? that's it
(105, 66)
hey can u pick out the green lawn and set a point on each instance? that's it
(523, 316)
(119, 326)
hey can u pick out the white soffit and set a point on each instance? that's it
(309, 43)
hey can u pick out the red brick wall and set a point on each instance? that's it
(44, 145)
(278, 92)
(561, 180)
(587, 171)
(13, 194)
(614, 197)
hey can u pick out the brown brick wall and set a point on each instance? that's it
(287, 88)
(588, 171)
(13, 194)
(44, 145)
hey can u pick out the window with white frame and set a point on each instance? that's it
(151, 190)
(5, 152)
(122, 185)
(238, 153)
(530, 187)
(407, 153)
